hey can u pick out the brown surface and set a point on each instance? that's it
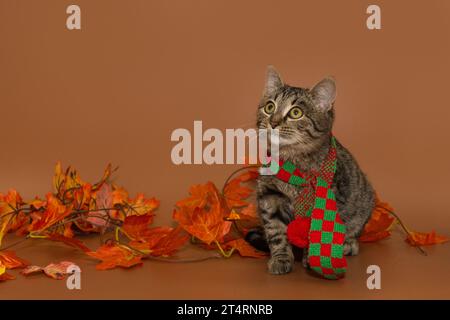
(114, 92)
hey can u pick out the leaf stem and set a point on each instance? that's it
(225, 254)
(421, 250)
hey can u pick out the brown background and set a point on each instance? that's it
(114, 91)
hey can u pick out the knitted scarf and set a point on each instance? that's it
(316, 208)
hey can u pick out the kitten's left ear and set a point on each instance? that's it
(324, 93)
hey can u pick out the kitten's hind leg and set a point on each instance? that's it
(275, 226)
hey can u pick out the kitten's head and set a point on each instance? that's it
(304, 117)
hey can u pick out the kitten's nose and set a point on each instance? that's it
(274, 122)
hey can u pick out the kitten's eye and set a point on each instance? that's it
(269, 108)
(295, 113)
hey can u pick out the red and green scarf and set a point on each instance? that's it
(317, 226)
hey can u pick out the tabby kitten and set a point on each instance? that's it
(304, 118)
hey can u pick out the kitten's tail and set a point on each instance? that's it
(257, 239)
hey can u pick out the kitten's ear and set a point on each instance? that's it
(273, 81)
(324, 93)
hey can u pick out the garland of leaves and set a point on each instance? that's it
(216, 220)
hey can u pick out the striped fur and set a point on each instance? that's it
(305, 142)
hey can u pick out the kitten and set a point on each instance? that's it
(304, 118)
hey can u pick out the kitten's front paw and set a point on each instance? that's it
(351, 247)
(280, 265)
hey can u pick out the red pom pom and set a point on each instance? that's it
(298, 231)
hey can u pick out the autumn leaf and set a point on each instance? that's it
(55, 211)
(37, 203)
(233, 216)
(11, 218)
(3, 274)
(424, 239)
(235, 193)
(69, 241)
(169, 244)
(119, 195)
(10, 260)
(244, 248)
(136, 227)
(114, 255)
(200, 196)
(57, 271)
(141, 206)
(148, 240)
(58, 178)
(106, 174)
(31, 270)
(103, 200)
(208, 226)
(379, 225)
(249, 212)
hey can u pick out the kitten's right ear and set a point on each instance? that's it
(273, 81)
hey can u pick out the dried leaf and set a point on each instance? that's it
(57, 271)
(425, 239)
(31, 270)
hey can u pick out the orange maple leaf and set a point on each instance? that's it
(54, 212)
(379, 225)
(235, 193)
(200, 196)
(206, 225)
(170, 243)
(10, 260)
(136, 227)
(69, 241)
(244, 248)
(114, 255)
(141, 206)
(3, 274)
(424, 239)
(203, 213)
